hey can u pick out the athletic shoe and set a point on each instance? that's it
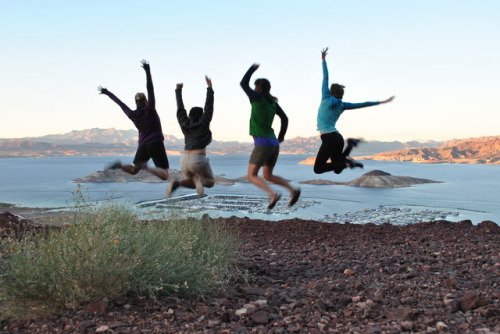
(272, 203)
(172, 186)
(353, 163)
(115, 165)
(353, 142)
(294, 197)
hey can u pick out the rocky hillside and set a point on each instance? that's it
(482, 150)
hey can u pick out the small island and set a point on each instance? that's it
(376, 179)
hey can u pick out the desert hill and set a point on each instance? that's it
(482, 150)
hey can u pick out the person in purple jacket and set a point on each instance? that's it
(147, 122)
(332, 142)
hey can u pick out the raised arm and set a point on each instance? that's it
(149, 84)
(388, 100)
(123, 106)
(245, 83)
(182, 117)
(284, 123)
(325, 91)
(348, 105)
(209, 101)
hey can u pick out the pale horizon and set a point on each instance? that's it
(438, 58)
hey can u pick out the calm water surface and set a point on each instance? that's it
(471, 190)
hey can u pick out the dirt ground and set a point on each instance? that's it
(311, 277)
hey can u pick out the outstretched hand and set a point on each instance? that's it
(179, 85)
(388, 100)
(255, 66)
(145, 64)
(102, 90)
(324, 52)
(208, 80)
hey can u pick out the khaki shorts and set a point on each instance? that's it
(265, 155)
(196, 164)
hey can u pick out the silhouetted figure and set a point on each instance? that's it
(147, 122)
(197, 135)
(266, 145)
(332, 142)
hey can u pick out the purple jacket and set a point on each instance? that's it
(146, 119)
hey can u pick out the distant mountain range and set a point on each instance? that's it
(484, 150)
(124, 142)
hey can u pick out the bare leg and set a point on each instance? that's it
(269, 176)
(131, 169)
(160, 172)
(207, 182)
(253, 171)
(187, 183)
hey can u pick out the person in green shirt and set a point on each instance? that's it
(266, 149)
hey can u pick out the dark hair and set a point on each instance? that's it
(337, 90)
(265, 88)
(195, 113)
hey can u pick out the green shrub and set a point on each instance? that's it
(108, 252)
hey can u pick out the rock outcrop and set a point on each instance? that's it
(376, 179)
(142, 176)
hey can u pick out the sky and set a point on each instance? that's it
(440, 58)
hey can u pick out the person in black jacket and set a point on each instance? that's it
(197, 135)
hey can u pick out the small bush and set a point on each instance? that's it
(108, 252)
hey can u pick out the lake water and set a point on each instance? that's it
(470, 191)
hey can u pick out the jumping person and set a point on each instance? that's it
(332, 142)
(147, 122)
(266, 145)
(197, 135)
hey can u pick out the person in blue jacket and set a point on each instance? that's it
(332, 142)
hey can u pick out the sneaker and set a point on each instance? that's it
(353, 163)
(199, 186)
(294, 197)
(353, 142)
(172, 186)
(274, 199)
(115, 165)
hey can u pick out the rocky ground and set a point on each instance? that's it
(310, 277)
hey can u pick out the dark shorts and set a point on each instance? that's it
(265, 155)
(155, 151)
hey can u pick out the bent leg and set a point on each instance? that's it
(269, 176)
(253, 171)
(160, 172)
(320, 164)
(157, 152)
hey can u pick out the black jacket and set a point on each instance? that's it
(197, 134)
